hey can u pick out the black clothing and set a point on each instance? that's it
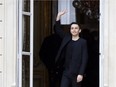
(74, 54)
(68, 82)
(49, 49)
(47, 54)
(79, 54)
(68, 54)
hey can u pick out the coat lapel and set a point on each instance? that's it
(63, 44)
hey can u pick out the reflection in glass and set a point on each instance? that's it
(88, 7)
(25, 71)
(26, 33)
(26, 5)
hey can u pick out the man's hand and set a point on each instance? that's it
(79, 78)
(60, 14)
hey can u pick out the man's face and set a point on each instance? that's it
(75, 30)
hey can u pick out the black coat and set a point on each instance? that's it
(49, 49)
(80, 55)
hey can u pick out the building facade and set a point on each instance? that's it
(8, 29)
(9, 43)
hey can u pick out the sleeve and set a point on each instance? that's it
(84, 58)
(58, 30)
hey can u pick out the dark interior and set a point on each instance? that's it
(45, 12)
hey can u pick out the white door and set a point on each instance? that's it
(101, 44)
(25, 43)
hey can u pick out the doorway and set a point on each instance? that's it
(38, 24)
(35, 23)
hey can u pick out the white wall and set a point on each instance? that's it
(104, 43)
(8, 30)
(1, 40)
(112, 43)
(109, 42)
(8, 43)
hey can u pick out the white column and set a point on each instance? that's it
(104, 43)
(1, 40)
(112, 43)
(70, 16)
(109, 40)
(10, 39)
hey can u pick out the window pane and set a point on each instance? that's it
(26, 5)
(26, 33)
(25, 71)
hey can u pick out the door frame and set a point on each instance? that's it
(101, 50)
(101, 44)
(30, 14)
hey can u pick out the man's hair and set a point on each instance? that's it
(75, 23)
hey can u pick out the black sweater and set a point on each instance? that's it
(74, 52)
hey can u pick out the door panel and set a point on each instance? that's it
(25, 43)
(26, 33)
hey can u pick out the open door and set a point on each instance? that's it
(25, 44)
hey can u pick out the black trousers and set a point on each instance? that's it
(68, 81)
(54, 78)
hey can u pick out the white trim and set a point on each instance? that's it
(26, 53)
(17, 44)
(10, 29)
(31, 43)
(2, 39)
(21, 52)
(101, 45)
(26, 13)
(20, 44)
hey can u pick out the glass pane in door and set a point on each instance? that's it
(25, 71)
(26, 5)
(26, 33)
